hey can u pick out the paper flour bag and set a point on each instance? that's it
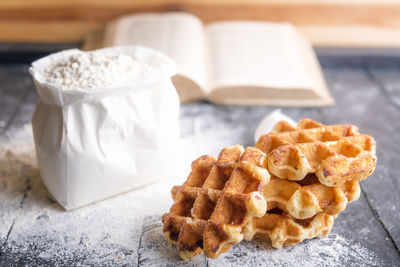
(106, 122)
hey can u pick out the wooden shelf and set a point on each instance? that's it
(367, 23)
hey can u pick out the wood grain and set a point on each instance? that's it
(42, 31)
(326, 23)
(297, 12)
(38, 232)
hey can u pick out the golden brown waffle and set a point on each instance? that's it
(217, 200)
(310, 197)
(335, 153)
(300, 210)
(316, 172)
(283, 230)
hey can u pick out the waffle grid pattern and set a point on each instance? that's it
(315, 172)
(217, 200)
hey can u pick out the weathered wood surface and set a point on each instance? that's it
(36, 231)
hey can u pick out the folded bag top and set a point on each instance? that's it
(161, 66)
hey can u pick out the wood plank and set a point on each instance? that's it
(23, 113)
(324, 36)
(37, 232)
(298, 12)
(362, 102)
(381, 190)
(14, 88)
(326, 23)
(12, 93)
(44, 31)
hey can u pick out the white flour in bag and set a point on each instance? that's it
(94, 69)
(104, 120)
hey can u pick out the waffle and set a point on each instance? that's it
(315, 172)
(283, 230)
(217, 200)
(299, 210)
(335, 153)
(306, 199)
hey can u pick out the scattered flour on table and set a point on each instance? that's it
(35, 229)
(333, 250)
(126, 229)
(96, 69)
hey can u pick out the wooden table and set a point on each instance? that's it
(34, 229)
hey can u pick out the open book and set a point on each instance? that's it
(235, 62)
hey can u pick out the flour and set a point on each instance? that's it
(38, 231)
(17, 153)
(127, 229)
(94, 144)
(333, 250)
(97, 69)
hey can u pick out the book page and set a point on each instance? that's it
(179, 35)
(255, 54)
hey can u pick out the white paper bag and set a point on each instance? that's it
(95, 143)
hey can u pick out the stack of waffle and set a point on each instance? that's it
(289, 187)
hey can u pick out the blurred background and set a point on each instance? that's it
(357, 43)
(66, 23)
